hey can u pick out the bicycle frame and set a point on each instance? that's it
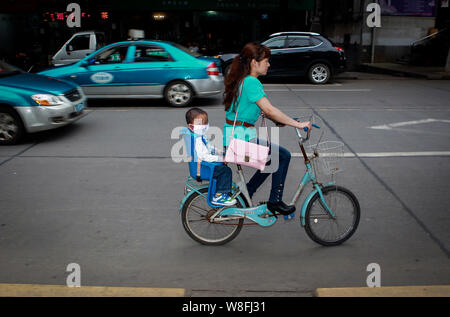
(308, 177)
(254, 213)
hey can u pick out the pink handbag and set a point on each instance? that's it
(246, 153)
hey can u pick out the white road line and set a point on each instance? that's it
(298, 85)
(333, 90)
(384, 154)
(405, 123)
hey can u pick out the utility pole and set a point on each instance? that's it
(372, 52)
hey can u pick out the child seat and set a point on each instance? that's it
(200, 170)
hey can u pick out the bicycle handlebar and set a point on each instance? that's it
(308, 131)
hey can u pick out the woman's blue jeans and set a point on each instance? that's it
(278, 177)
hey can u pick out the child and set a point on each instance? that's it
(197, 121)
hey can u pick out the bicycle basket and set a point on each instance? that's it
(330, 156)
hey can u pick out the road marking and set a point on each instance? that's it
(179, 158)
(381, 154)
(333, 90)
(382, 109)
(406, 123)
(117, 110)
(36, 290)
(298, 85)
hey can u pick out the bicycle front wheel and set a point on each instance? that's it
(195, 217)
(326, 230)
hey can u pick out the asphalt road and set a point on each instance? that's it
(104, 193)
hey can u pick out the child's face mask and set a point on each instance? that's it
(200, 128)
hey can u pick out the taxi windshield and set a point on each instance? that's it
(8, 70)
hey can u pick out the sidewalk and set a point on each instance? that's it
(406, 70)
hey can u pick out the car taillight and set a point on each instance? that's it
(340, 49)
(212, 70)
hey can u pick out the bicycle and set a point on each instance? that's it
(330, 213)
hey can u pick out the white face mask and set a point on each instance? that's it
(201, 129)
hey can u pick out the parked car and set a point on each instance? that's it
(78, 47)
(31, 103)
(145, 69)
(300, 54)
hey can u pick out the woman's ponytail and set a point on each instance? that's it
(240, 68)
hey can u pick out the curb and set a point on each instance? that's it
(399, 71)
(34, 290)
(391, 291)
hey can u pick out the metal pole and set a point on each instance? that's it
(372, 53)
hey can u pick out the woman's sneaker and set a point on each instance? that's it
(223, 200)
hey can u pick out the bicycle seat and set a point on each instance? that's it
(199, 170)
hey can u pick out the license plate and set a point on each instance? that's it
(79, 107)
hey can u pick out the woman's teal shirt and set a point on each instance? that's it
(249, 111)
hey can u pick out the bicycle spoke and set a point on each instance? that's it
(326, 228)
(206, 211)
(204, 229)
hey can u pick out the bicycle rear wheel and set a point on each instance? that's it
(195, 218)
(321, 227)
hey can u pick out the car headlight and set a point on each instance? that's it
(47, 100)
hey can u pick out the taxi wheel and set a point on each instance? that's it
(178, 94)
(11, 127)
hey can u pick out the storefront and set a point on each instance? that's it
(213, 25)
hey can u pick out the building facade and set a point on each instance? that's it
(39, 28)
(404, 23)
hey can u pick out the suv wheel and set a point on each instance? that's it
(178, 94)
(319, 73)
(11, 128)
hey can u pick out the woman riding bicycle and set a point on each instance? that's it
(252, 62)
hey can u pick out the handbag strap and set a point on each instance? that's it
(263, 121)
(237, 109)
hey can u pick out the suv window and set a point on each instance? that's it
(315, 41)
(151, 53)
(274, 43)
(81, 42)
(298, 41)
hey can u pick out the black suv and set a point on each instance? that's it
(300, 54)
